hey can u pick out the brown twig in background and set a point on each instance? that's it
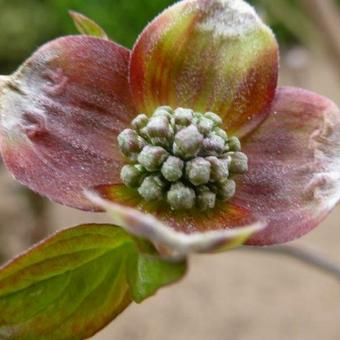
(293, 20)
(39, 209)
(302, 254)
(326, 16)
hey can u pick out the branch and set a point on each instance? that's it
(326, 16)
(39, 209)
(300, 25)
(302, 254)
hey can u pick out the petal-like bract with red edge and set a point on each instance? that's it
(61, 113)
(224, 216)
(207, 55)
(172, 243)
(294, 166)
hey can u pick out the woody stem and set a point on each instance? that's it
(303, 254)
(325, 14)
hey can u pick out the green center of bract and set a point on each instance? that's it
(182, 157)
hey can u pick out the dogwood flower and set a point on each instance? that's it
(186, 139)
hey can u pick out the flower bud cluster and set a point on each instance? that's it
(182, 157)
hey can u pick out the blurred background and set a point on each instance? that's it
(241, 295)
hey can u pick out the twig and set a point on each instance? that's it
(39, 209)
(294, 20)
(326, 16)
(302, 254)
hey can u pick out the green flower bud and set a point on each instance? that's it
(152, 188)
(213, 145)
(179, 128)
(130, 143)
(159, 127)
(164, 142)
(214, 117)
(152, 157)
(219, 169)
(183, 116)
(172, 169)
(198, 171)
(163, 112)
(181, 197)
(179, 145)
(188, 142)
(140, 122)
(206, 199)
(226, 190)
(160, 131)
(234, 144)
(176, 151)
(196, 118)
(205, 126)
(143, 133)
(132, 175)
(238, 162)
(221, 133)
(226, 148)
(165, 108)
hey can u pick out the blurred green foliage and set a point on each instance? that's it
(123, 20)
(26, 24)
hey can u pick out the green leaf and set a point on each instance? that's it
(73, 284)
(87, 26)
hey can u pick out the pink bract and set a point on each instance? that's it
(64, 107)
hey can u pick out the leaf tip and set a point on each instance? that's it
(86, 25)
